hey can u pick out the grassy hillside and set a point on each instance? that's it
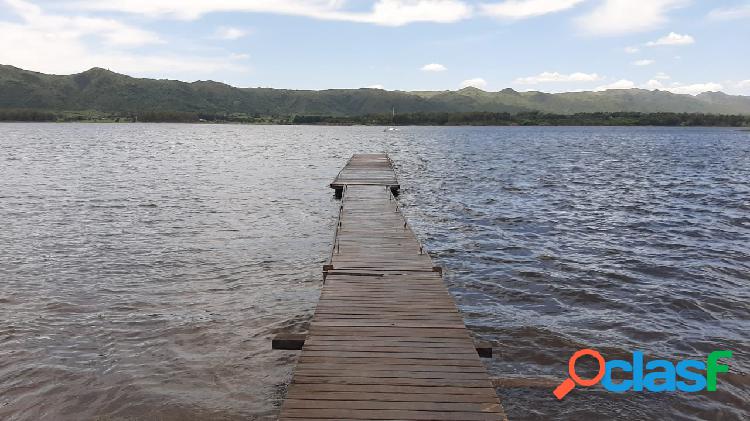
(108, 92)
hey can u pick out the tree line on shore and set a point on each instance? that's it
(533, 118)
(536, 119)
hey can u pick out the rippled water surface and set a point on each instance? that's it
(144, 268)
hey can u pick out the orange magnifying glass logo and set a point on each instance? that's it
(568, 384)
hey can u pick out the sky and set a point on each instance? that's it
(682, 46)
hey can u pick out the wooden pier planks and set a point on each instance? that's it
(366, 169)
(386, 341)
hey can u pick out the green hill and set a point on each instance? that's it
(108, 92)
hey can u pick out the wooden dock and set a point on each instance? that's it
(386, 341)
(366, 170)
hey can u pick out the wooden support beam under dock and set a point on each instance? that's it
(386, 341)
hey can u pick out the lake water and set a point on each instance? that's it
(144, 268)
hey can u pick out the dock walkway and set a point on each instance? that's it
(366, 170)
(386, 341)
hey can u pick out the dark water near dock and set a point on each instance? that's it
(144, 268)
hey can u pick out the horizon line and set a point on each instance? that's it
(378, 88)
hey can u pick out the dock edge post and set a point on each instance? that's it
(288, 341)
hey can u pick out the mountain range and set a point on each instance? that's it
(106, 91)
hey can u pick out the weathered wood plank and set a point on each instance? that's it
(366, 401)
(304, 388)
(385, 414)
(436, 362)
(395, 374)
(386, 341)
(375, 366)
(403, 381)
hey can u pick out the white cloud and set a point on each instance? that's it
(553, 77)
(695, 89)
(678, 88)
(632, 50)
(617, 17)
(377, 86)
(434, 67)
(672, 39)
(644, 62)
(193, 9)
(662, 76)
(70, 44)
(620, 84)
(476, 82)
(730, 13)
(402, 12)
(653, 84)
(742, 87)
(520, 9)
(108, 31)
(383, 12)
(231, 33)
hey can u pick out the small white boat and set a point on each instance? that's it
(393, 119)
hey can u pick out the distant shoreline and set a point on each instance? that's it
(104, 91)
(212, 123)
(628, 119)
